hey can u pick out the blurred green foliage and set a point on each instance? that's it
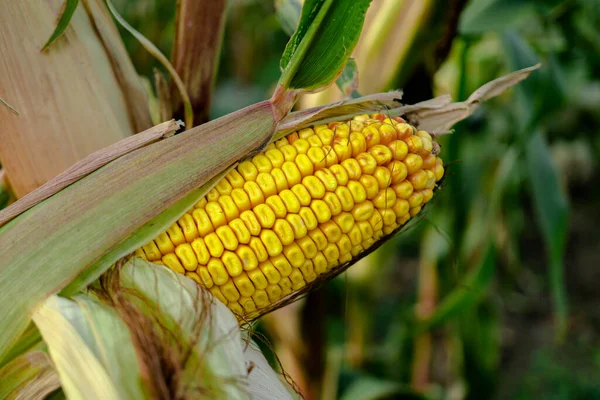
(508, 251)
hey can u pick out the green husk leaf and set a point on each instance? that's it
(348, 80)
(30, 376)
(288, 14)
(63, 22)
(319, 49)
(465, 295)
(154, 51)
(48, 246)
(30, 339)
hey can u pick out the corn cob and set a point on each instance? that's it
(307, 204)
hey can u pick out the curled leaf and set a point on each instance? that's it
(63, 22)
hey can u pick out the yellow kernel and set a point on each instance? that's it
(304, 165)
(415, 199)
(376, 221)
(235, 179)
(262, 163)
(385, 198)
(267, 184)
(247, 170)
(308, 217)
(265, 215)
(352, 167)
(301, 146)
(366, 230)
(342, 149)
(413, 163)
(331, 253)
(326, 136)
(290, 200)
(282, 264)
(404, 130)
(314, 142)
(261, 299)
(164, 244)
(370, 184)
(314, 186)
(202, 202)
(400, 208)
(355, 235)
(305, 133)
(383, 176)
(294, 254)
(308, 247)
(212, 195)
(270, 272)
(340, 129)
(175, 234)
(223, 187)
(251, 222)
(439, 172)
(286, 286)
(302, 194)
(388, 133)
(331, 157)
(217, 271)
(297, 225)
(297, 279)
(258, 278)
(344, 258)
(389, 216)
(187, 257)
(344, 244)
(239, 229)
(357, 191)
(230, 291)
(172, 262)
(358, 143)
(247, 257)
(362, 211)
(319, 238)
(200, 250)
(429, 161)
(216, 291)
(399, 150)
(214, 245)
(274, 292)
(382, 154)
(418, 179)
(320, 263)
(340, 174)
(321, 210)
(277, 205)
(430, 179)
(427, 195)
(244, 285)
(241, 199)
(284, 231)
(247, 304)
(414, 211)
(345, 221)
(236, 308)
(414, 143)
(331, 230)
(228, 238)
(140, 253)
(424, 134)
(204, 275)
(367, 163)
(279, 179)
(327, 178)
(216, 214)
(356, 250)
(271, 242)
(333, 202)
(254, 193)
(403, 190)
(187, 224)
(317, 156)
(307, 269)
(228, 206)
(427, 146)
(398, 171)
(345, 197)
(259, 249)
(276, 157)
(372, 136)
(232, 263)
(289, 152)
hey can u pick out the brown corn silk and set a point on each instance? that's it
(302, 211)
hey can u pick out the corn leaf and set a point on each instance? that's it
(30, 376)
(63, 22)
(319, 49)
(288, 14)
(46, 247)
(29, 340)
(348, 80)
(370, 388)
(493, 15)
(470, 289)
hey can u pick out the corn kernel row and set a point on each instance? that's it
(310, 202)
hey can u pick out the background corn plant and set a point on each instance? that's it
(473, 301)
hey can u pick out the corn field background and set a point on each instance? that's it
(493, 294)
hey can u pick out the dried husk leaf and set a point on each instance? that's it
(30, 376)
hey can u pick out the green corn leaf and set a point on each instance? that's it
(63, 22)
(552, 210)
(319, 49)
(369, 388)
(48, 246)
(482, 16)
(30, 339)
(29, 376)
(348, 80)
(288, 14)
(470, 289)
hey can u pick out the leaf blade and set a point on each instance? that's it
(63, 22)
